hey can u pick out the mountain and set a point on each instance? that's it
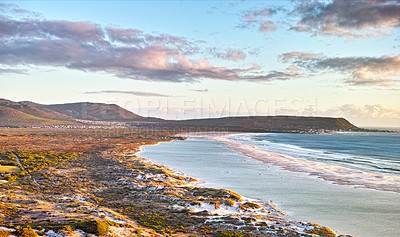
(28, 113)
(268, 123)
(94, 111)
(34, 109)
(10, 117)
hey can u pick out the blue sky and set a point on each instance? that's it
(195, 59)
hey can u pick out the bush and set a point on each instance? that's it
(67, 229)
(102, 227)
(322, 230)
(228, 234)
(4, 233)
(94, 227)
(26, 232)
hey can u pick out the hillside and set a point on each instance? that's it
(268, 123)
(44, 110)
(94, 111)
(10, 117)
(36, 110)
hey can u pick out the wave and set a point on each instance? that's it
(370, 164)
(337, 174)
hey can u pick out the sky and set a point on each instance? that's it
(199, 59)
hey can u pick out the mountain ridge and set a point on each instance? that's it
(27, 113)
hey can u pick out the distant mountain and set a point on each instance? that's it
(267, 123)
(34, 109)
(27, 113)
(94, 111)
(10, 117)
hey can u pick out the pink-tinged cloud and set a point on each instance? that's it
(125, 53)
(136, 93)
(366, 111)
(347, 18)
(359, 71)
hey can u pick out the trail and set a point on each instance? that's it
(22, 167)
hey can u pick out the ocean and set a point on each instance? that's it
(364, 151)
(356, 209)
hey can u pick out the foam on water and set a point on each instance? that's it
(325, 170)
(386, 162)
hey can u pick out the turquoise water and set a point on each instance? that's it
(371, 152)
(355, 211)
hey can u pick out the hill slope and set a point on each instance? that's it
(10, 117)
(94, 111)
(34, 110)
(268, 123)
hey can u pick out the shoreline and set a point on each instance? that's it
(336, 174)
(265, 217)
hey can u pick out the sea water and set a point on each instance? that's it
(365, 151)
(350, 210)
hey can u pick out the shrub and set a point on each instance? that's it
(26, 232)
(102, 227)
(94, 227)
(4, 233)
(67, 229)
(322, 230)
(228, 234)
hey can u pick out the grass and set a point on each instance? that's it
(8, 169)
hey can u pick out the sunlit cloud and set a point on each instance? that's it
(136, 93)
(124, 53)
(366, 111)
(359, 71)
(350, 19)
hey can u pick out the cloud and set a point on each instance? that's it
(229, 54)
(137, 93)
(15, 10)
(347, 18)
(124, 53)
(368, 71)
(235, 55)
(259, 18)
(298, 55)
(201, 90)
(13, 70)
(366, 111)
